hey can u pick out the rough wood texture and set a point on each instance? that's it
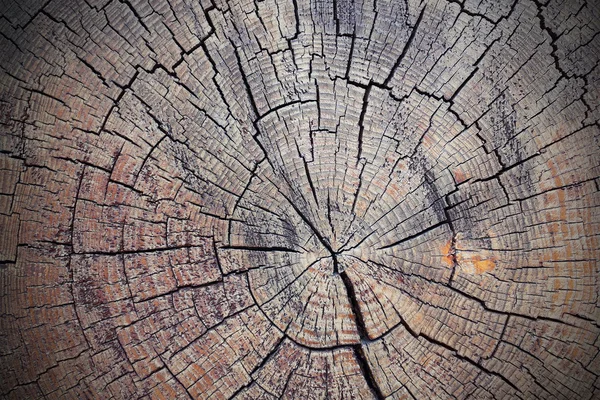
(300, 199)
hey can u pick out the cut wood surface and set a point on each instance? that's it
(300, 199)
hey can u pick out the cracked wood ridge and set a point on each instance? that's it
(300, 199)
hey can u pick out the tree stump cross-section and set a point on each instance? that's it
(300, 199)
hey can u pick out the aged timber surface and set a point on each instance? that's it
(300, 199)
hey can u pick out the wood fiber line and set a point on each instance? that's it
(300, 199)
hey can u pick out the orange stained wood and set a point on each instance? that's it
(483, 264)
(448, 254)
(476, 263)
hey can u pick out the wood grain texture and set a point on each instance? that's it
(300, 199)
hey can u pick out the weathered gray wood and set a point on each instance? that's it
(300, 199)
